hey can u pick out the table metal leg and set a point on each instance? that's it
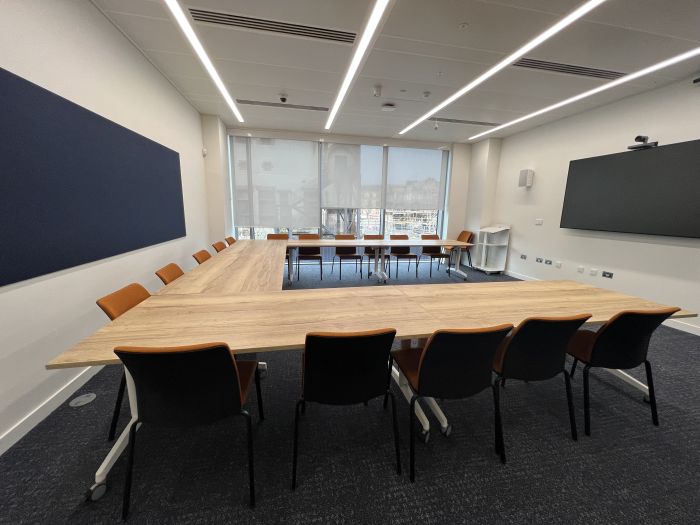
(408, 394)
(629, 380)
(97, 490)
(379, 272)
(458, 260)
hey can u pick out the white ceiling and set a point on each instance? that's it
(421, 48)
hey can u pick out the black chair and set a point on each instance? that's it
(536, 351)
(346, 369)
(434, 252)
(346, 253)
(621, 343)
(312, 253)
(402, 252)
(454, 364)
(185, 387)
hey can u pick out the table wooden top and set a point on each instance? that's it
(279, 320)
(373, 243)
(246, 266)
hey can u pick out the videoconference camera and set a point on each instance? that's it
(642, 142)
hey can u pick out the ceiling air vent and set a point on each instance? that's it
(569, 69)
(458, 121)
(273, 26)
(279, 105)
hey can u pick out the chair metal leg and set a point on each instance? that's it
(333, 262)
(652, 394)
(117, 408)
(298, 268)
(320, 266)
(469, 259)
(412, 434)
(340, 268)
(395, 423)
(570, 402)
(300, 403)
(409, 261)
(397, 267)
(500, 444)
(586, 401)
(129, 470)
(573, 368)
(251, 465)
(261, 413)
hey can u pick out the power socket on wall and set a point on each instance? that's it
(607, 275)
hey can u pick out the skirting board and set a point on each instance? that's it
(33, 418)
(678, 324)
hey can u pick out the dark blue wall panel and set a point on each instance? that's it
(76, 187)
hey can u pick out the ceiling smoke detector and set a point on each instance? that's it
(388, 106)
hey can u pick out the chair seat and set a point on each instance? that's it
(408, 360)
(437, 255)
(349, 255)
(309, 257)
(404, 255)
(246, 373)
(581, 345)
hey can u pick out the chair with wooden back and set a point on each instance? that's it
(536, 351)
(310, 253)
(219, 246)
(230, 240)
(434, 252)
(402, 252)
(370, 252)
(346, 253)
(201, 256)
(346, 369)
(466, 236)
(621, 343)
(453, 364)
(188, 386)
(114, 305)
(169, 273)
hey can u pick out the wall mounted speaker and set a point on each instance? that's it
(526, 178)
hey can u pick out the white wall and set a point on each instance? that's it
(459, 189)
(69, 47)
(483, 174)
(215, 138)
(663, 269)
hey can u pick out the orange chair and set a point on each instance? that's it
(369, 252)
(621, 343)
(114, 305)
(312, 253)
(169, 273)
(230, 240)
(464, 236)
(434, 252)
(185, 387)
(402, 252)
(219, 246)
(201, 256)
(346, 252)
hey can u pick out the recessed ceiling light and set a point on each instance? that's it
(186, 27)
(614, 83)
(561, 24)
(463, 26)
(375, 18)
(389, 107)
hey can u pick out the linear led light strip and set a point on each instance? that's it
(372, 24)
(564, 22)
(627, 78)
(187, 28)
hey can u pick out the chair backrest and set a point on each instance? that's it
(311, 250)
(124, 299)
(458, 363)
(169, 273)
(201, 256)
(183, 386)
(219, 246)
(623, 342)
(371, 237)
(400, 249)
(430, 249)
(345, 250)
(347, 368)
(230, 240)
(277, 236)
(536, 349)
(465, 236)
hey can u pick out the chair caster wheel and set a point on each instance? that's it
(96, 492)
(446, 431)
(425, 436)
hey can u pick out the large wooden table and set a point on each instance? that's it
(236, 297)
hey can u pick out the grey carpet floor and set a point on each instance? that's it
(628, 471)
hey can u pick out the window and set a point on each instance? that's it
(334, 188)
